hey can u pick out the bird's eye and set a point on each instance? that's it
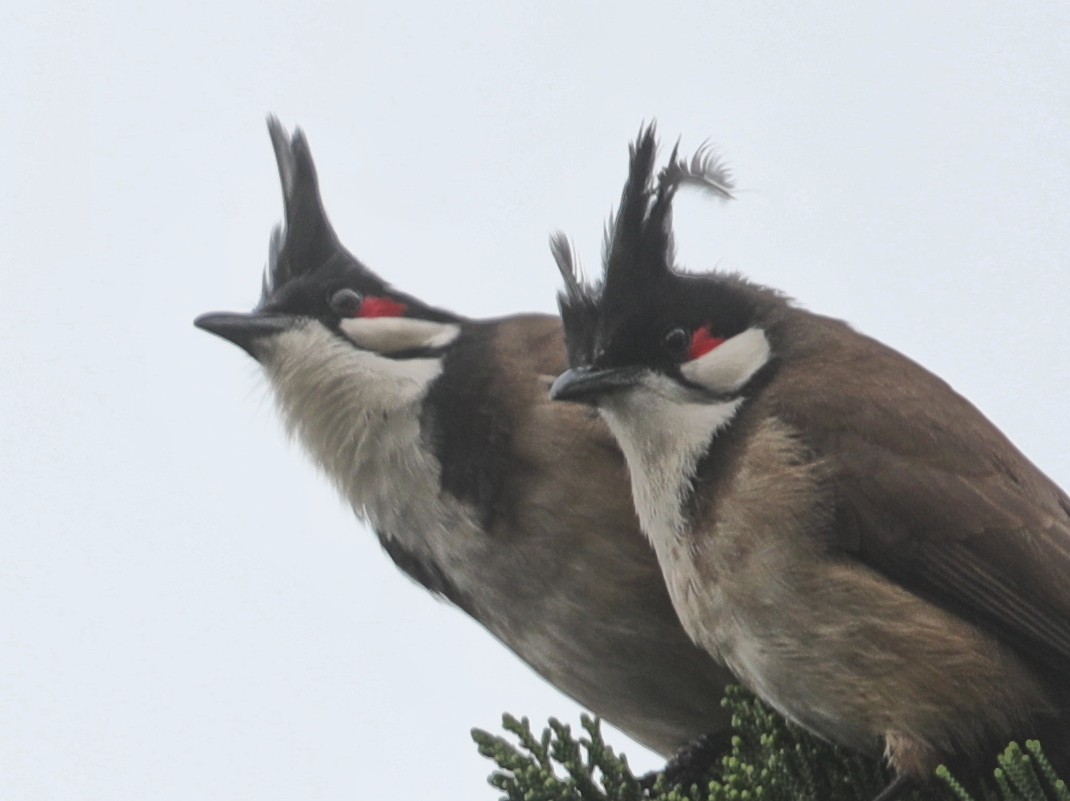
(345, 302)
(675, 341)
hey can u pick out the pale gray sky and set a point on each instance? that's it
(187, 610)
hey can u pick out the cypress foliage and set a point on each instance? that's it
(770, 760)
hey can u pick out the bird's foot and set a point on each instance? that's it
(902, 783)
(691, 763)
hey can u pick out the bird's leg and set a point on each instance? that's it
(902, 783)
(691, 763)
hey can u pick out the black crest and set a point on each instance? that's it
(306, 259)
(306, 240)
(638, 253)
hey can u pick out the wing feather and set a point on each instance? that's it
(929, 492)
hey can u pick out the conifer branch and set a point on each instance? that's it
(769, 760)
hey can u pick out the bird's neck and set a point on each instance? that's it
(663, 440)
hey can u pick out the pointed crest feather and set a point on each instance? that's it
(306, 239)
(608, 227)
(284, 157)
(562, 251)
(636, 196)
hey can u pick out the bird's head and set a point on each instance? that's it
(313, 283)
(646, 328)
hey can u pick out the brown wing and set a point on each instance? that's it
(929, 492)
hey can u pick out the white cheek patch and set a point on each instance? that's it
(395, 334)
(728, 367)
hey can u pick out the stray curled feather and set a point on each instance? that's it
(705, 170)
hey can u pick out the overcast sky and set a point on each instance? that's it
(186, 609)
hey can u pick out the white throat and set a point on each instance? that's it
(664, 432)
(664, 428)
(358, 415)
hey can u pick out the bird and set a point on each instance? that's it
(849, 536)
(439, 431)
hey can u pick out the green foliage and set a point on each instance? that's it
(557, 767)
(770, 760)
(1020, 776)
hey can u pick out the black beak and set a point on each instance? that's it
(588, 384)
(244, 329)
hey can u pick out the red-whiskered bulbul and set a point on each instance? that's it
(850, 537)
(440, 433)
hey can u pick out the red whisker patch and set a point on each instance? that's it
(702, 342)
(381, 307)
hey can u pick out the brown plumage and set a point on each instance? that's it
(856, 497)
(852, 538)
(566, 579)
